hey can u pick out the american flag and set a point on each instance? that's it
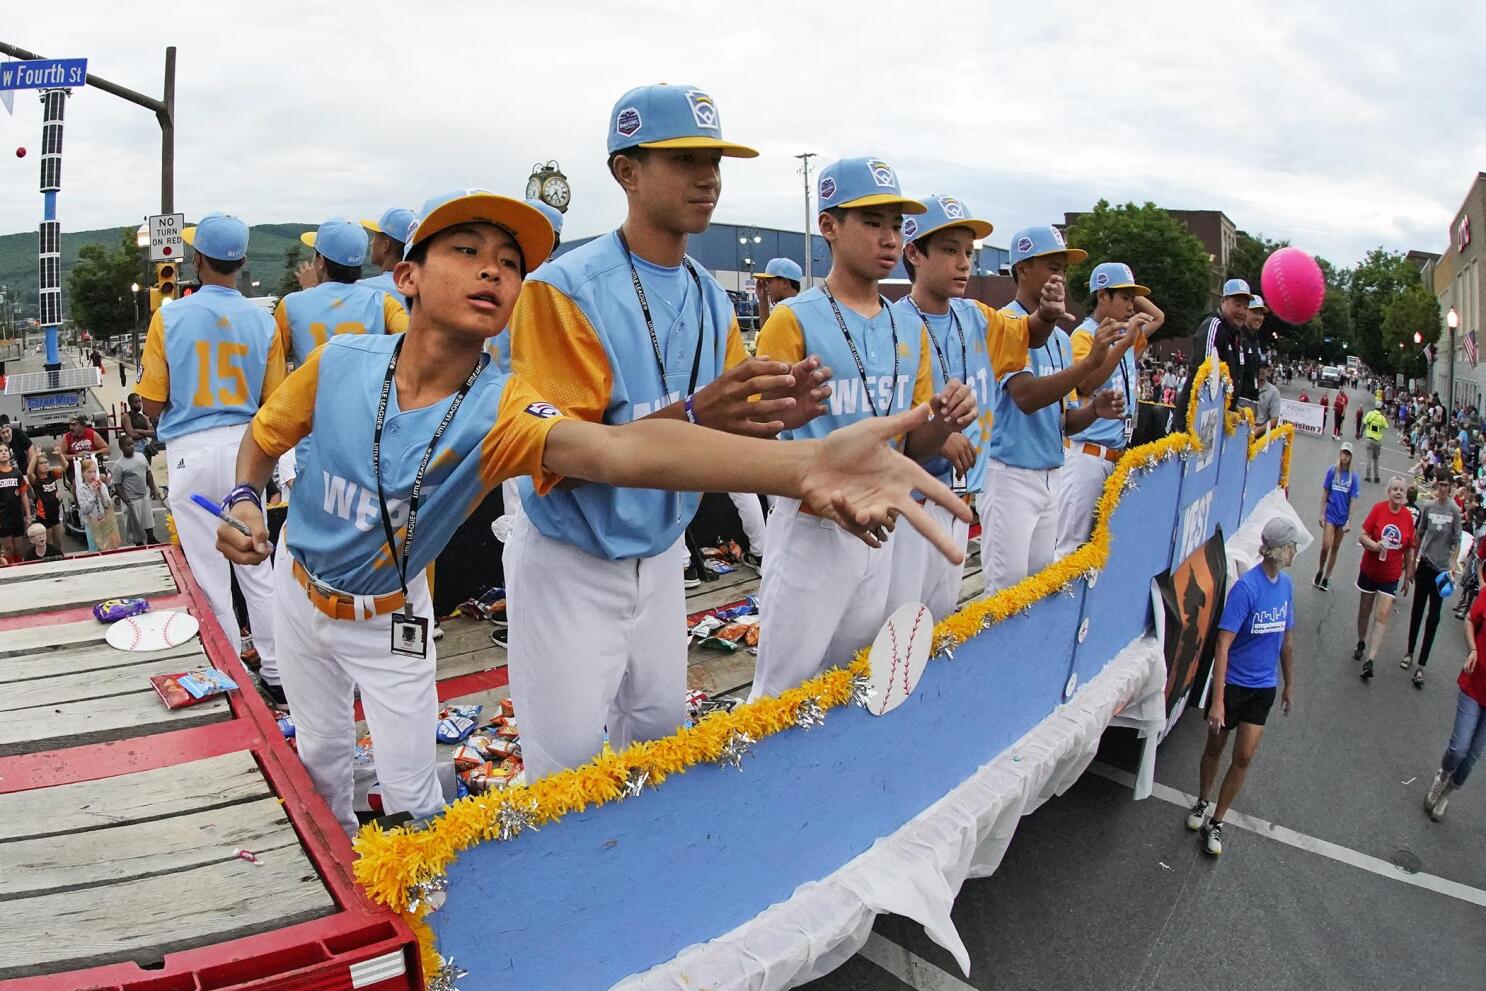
(1470, 346)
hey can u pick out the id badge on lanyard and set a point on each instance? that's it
(409, 635)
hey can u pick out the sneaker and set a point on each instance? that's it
(1198, 815)
(1419, 678)
(1325, 584)
(689, 578)
(1436, 790)
(1407, 662)
(1316, 581)
(274, 692)
(754, 561)
(498, 636)
(1212, 838)
(1437, 810)
(438, 631)
(1357, 654)
(1367, 671)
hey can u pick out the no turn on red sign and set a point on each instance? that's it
(166, 243)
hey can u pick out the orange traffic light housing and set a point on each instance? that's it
(164, 289)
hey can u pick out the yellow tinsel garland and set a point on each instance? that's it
(391, 862)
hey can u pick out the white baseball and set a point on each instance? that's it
(153, 631)
(898, 657)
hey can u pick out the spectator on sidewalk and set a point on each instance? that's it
(1468, 735)
(138, 424)
(134, 484)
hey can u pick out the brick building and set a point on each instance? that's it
(1458, 280)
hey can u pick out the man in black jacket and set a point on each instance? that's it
(1223, 332)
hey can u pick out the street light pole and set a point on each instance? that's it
(805, 158)
(1452, 320)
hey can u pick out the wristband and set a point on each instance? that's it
(691, 413)
(243, 493)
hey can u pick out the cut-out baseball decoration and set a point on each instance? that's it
(153, 630)
(1294, 287)
(898, 657)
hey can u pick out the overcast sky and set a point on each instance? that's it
(1338, 126)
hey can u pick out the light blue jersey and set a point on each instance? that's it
(1031, 440)
(579, 336)
(211, 358)
(1125, 380)
(499, 349)
(387, 284)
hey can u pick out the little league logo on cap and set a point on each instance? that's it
(1236, 287)
(882, 174)
(664, 116)
(827, 187)
(941, 212)
(910, 228)
(862, 182)
(1033, 242)
(218, 235)
(953, 208)
(1024, 245)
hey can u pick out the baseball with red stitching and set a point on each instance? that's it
(898, 657)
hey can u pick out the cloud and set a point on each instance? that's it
(1340, 128)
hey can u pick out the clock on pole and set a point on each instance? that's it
(548, 184)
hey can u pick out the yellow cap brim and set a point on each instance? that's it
(903, 203)
(525, 223)
(1072, 255)
(978, 228)
(757, 276)
(1136, 290)
(307, 239)
(189, 236)
(728, 149)
(372, 226)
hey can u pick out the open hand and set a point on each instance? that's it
(809, 393)
(306, 276)
(724, 404)
(1285, 701)
(244, 550)
(1050, 301)
(857, 481)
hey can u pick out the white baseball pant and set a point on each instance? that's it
(593, 643)
(1018, 522)
(919, 573)
(751, 513)
(1080, 484)
(823, 597)
(206, 462)
(326, 660)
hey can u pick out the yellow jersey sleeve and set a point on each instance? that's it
(1083, 343)
(282, 331)
(276, 369)
(394, 317)
(923, 381)
(286, 418)
(556, 351)
(515, 444)
(781, 337)
(1007, 340)
(154, 380)
(736, 354)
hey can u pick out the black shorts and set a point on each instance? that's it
(1366, 584)
(12, 526)
(1245, 705)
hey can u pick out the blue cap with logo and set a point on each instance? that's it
(858, 182)
(395, 223)
(1236, 287)
(524, 222)
(1115, 275)
(941, 212)
(218, 235)
(1034, 242)
(1257, 303)
(781, 268)
(666, 116)
(340, 241)
(552, 213)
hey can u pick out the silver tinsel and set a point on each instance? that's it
(1070, 589)
(946, 652)
(809, 714)
(735, 749)
(635, 783)
(430, 892)
(1091, 577)
(1130, 484)
(512, 821)
(1150, 463)
(861, 691)
(447, 974)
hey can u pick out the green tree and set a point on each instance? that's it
(1413, 310)
(1377, 279)
(1158, 248)
(99, 298)
(293, 258)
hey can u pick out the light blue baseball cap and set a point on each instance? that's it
(340, 241)
(552, 213)
(941, 212)
(524, 222)
(1257, 303)
(859, 182)
(218, 235)
(1034, 242)
(395, 223)
(1236, 287)
(1115, 275)
(781, 268)
(666, 116)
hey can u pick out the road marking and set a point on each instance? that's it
(1289, 837)
(910, 968)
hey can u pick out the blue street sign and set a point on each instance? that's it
(50, 73)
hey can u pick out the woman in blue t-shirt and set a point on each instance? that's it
(1338, 492)
(1253, 648)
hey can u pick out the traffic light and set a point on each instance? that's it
(164, 289)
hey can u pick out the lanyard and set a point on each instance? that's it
(407, 544)
(660, 360)
(959, 332)
(856, 356)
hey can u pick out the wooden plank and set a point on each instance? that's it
(99, 686)
(94, 658)
(713, 597)
(51, 727)
(65, 591)
(139, 797)
(82, 565)
(54, 636)
(143, 920)
(55, 864)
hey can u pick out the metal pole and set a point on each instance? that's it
(805, 171)
(166, 116)
(1450, 397)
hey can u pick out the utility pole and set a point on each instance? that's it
(805, 158)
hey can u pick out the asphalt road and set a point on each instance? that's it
(1101, 892)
